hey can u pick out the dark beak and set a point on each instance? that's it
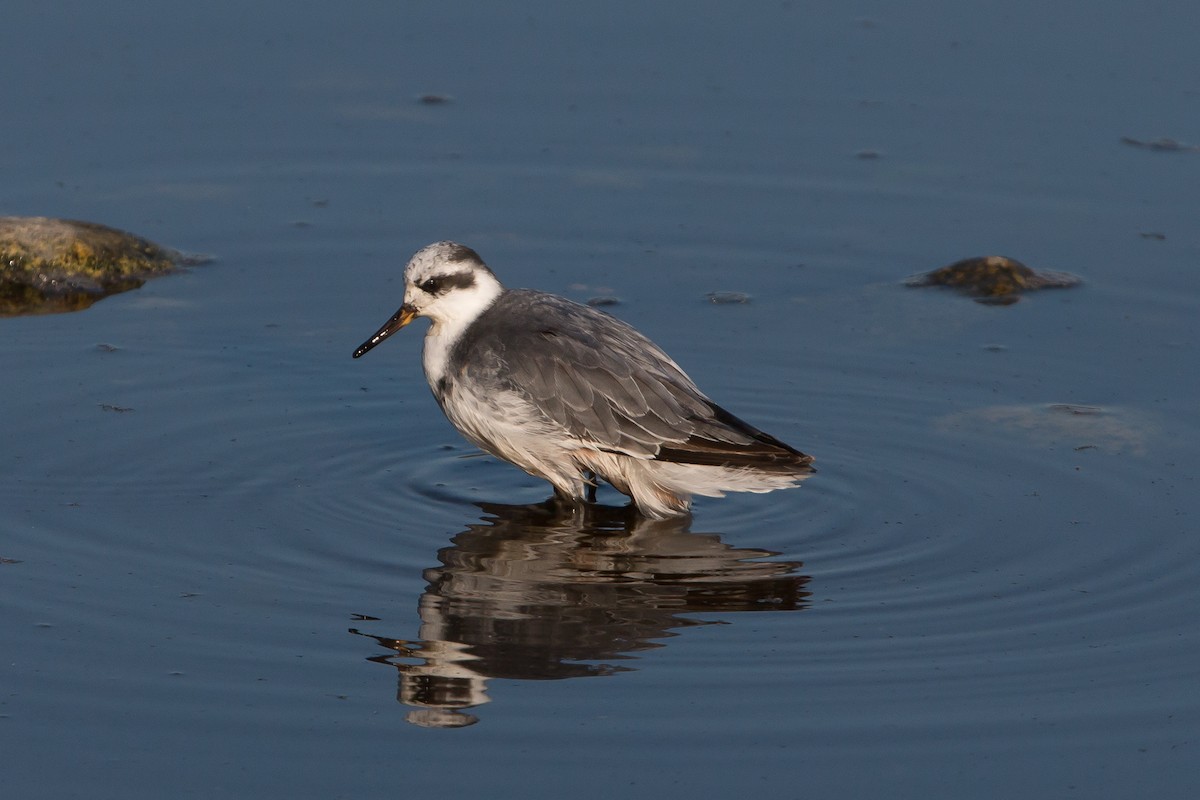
(405, 315)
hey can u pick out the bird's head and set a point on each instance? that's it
(445, 281)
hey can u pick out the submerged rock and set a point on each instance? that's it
(1112, 430)
(1163, 145)
(603, 301)
(727, 298)
(54, 265)
(993, 279)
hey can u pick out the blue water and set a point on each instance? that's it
(281, 572)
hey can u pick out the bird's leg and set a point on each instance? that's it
(590, 492)
(565, 500)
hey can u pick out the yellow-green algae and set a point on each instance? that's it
(993, 279)
(54, 265)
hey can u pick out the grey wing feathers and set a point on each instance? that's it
(609, 385)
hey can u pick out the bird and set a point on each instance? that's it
(570, 393)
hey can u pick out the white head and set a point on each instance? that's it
(447, 282)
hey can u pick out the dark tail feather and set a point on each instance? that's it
(763, 451)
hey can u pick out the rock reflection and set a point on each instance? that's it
(533, 593)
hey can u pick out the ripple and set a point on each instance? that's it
(1002, 548)
(950, 543)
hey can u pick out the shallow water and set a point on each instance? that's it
(238, 563)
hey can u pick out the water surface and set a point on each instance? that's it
(238, 563)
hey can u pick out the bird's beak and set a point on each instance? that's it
(405, 315)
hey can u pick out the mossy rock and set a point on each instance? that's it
(54, 265)
(995, 280)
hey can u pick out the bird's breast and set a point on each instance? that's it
(436, 357)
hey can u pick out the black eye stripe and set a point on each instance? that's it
(440, 284)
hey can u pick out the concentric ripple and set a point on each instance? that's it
(953, 546)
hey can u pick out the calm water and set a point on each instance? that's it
(239, 564)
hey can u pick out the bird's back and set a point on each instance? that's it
(606, 384)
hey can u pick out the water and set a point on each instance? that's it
(280, 570)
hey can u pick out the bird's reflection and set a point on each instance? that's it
(537, 592)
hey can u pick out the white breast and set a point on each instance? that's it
(436, 356)
(506, 425)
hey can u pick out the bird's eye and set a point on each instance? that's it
(432, 285)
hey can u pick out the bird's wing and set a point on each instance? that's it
(606, 384)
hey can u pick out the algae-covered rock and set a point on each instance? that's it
(55, 265)
(993, 279)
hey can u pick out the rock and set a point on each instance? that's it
(993, 279)
(54, 265)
